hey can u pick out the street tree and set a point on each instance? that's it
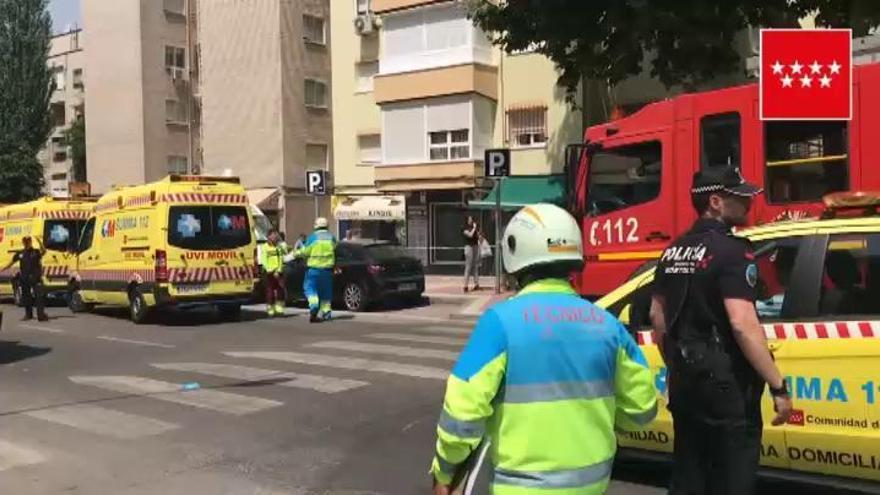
(688, 42)
(75, 138)
(26, 84)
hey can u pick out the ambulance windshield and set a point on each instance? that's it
(203, 228)
(61, 235)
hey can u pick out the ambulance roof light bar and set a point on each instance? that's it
(851, 203)
(206, 179)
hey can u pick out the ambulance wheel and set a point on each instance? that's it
(137, 307)
(75, 300)
(354, 297)
(17, 295)
(229, 312)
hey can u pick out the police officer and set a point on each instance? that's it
(319, 250)
(30, 265)
(703, 313)
(546, 376)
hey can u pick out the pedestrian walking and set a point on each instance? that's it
(272, 259)
(703, 313)
(546, 377)
(30, 279)
(319, 250)
(471, 234)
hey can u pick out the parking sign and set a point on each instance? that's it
(497, 163)
(316, 182)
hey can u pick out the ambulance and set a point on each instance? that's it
(183, 242)
(54, 225)
(819, 304)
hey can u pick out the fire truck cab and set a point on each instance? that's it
(629, 183)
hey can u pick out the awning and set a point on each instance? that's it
(389, 208)
(517, 192)
(265, 198)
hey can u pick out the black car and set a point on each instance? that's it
(366, 272)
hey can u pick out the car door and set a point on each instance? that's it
(829, 352)
(85, 259)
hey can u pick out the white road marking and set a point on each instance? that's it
(476, 306)
(135, 342)
(103, 421)
(423, 339)
(12, 455)
(393, 350)
(215, 400)
(349, 363)
(325, 384)
(447, 330)
(41, 328)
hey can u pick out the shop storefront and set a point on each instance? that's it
(371, 217)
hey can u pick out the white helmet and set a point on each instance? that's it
(539, 234)
(321, 223)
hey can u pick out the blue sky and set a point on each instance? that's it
(64, 13)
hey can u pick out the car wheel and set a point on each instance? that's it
(230, 312)
(137, 307)
(75, 300)
(354, 297)
(17, 295)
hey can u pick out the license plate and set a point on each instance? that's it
(409, 286)
(190, 288)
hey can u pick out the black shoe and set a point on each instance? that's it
(43, 318)
(313, 318)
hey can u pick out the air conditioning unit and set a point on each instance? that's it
(365, 24)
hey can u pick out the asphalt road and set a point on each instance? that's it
(92, 404)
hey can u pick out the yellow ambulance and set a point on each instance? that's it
(54, 225)
(184, 242)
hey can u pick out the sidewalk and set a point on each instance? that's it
(445, 289)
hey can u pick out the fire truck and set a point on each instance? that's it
(628, 183)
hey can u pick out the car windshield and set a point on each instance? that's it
(203, 228)
(385, 252)
(61, 235)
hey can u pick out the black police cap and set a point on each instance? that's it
(723, 179)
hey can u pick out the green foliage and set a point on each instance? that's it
(75, 137)
(24, 99)
(691, 41)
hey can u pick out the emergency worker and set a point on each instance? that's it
(319, 250)
(707, 329)
(272, 260)
(546, 377)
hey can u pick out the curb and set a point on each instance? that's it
(448, 298)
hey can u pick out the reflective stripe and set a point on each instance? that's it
(462, 429)
(446, 466)
(644, 418)
(566, 478)
(546, 392)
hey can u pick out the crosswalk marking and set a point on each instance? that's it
(135, 342)
(349, 363)
(223, 402)
(395, 350)
(326, 384)
(103, 421)
(423, 339)
(446, 330)
(12, 455)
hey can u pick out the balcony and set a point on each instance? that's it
(460, 79)
(384, 6)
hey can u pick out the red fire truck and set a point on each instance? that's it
(628, 183)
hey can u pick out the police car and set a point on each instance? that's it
(818, 282)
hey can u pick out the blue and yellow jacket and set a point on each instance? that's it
(319, 250)
(548, 377)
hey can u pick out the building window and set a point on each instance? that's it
(719, 140)
(58, 77)
(370, 148)
(313, 29)
(805, 160)
(174, 7)
(449, 145)
(316, 157)
(78, 78)
(315, 93)
(175, 60)
(61, 176)
(59, 114)
(624, 176)
(528, 127)
(59, 156)
(365, 73)
(175, 112)
(177, 165)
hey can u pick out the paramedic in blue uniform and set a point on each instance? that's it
(707, 328)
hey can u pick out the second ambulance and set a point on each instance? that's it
(180, 242)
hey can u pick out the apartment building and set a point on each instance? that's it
(419, 94)
(142, 82)
(265, 94)
(67, 63)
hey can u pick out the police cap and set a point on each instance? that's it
(723, 179)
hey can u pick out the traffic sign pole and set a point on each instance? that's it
(498, 185)
(497, 167)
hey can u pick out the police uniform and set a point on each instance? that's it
(30, 262)
(714, 393)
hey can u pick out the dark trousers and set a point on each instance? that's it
(714, 460)
(32, 294)
(274, 288)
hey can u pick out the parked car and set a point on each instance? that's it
(367, 272)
